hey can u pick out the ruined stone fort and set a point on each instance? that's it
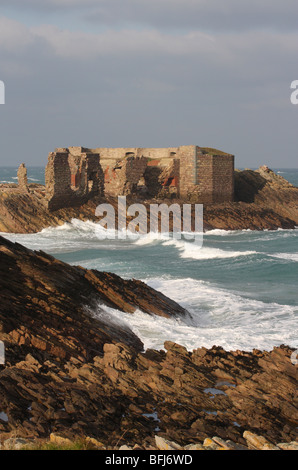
(75, 175)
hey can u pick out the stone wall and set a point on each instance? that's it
(208, 176)
(223, 178)
(73, 176)
(125, 177)
(188, 169)
(215, 178)
(110, 156)
(205, 178)
(22, 178)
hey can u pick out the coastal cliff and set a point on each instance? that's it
(263, 200)
(72, 371)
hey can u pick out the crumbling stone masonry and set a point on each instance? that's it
(126, 176)
(22, 178)
(76, 174)
(73, 176)
(186, 171)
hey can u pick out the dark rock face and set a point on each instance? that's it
(73, 373)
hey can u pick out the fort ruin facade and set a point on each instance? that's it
(76, 174)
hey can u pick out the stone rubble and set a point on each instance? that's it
(214, 443)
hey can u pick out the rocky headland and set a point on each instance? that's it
(71, 371)
(262, 200)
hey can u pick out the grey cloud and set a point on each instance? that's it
(147, 88)
(55, 5)
(211, 15)
(232, 57)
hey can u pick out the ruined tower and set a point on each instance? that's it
(22, 178)
(208, 173)
(73, 176)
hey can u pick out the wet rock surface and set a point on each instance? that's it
(73, 373)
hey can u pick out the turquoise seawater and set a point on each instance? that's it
(240, 286)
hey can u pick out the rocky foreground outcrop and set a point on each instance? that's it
(59, 309)
(72, 372)
(263, 200)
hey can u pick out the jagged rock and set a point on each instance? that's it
(256, 442)
(270, 447)
(15, 443)
(224, 444)
(60, 440)
(95, 443)
(125, 447)
(288, 446)
(194, 447)
(234, 446)
(209, 444)
(164, 444)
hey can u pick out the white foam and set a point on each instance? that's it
(190, 249)
(286, 256)
(69, 237)
(194, 251)
(151, 238)
(223, 233)
(219, 318)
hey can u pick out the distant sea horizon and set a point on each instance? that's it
(36, 173)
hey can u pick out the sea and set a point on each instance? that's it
(240, 287)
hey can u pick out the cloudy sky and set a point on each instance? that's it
(149, 73)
